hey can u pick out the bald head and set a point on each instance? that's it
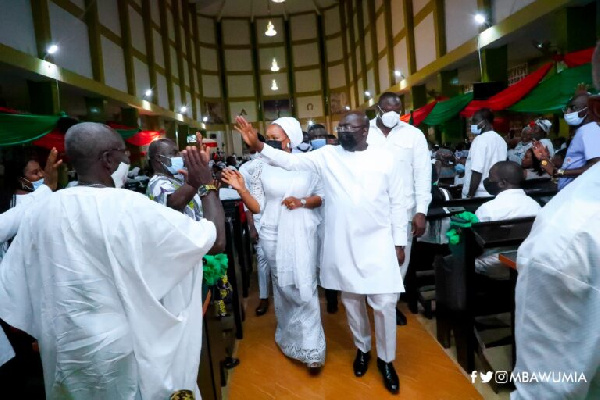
(389, 98)
(508, 173)
(95, 151)
(356, 118)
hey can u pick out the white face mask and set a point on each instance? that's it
(573, 119)
(120, 175)
(390, 119)
(475, 129)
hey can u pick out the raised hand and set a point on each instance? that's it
(540, 151)
(51, 169)
(234, 179)
(204, 154)
(198, 173)
(249, 134)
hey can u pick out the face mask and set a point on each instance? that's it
(318, 143)
(276, 144)
(176, 165)
(475, 129)
(573, 119)
(120, 175)
(390, 119)
(492, 188)
(347, 141)
(37, 184)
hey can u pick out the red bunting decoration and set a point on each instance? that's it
(419, 115)
(510, 95)
(143, 138)
(577, 58)
(54, 139)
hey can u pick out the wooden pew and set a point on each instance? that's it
(458, 288)
(422, 253)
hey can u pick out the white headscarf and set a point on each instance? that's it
(544, 124)
(292, 129)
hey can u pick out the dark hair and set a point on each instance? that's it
(315, 126)
(14, 169)
(261, 138)
(486, 114)
(389, 96)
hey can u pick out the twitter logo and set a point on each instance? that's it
(485, 378)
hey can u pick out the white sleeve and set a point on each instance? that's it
(478, 157)
(292, 162)
(11, 219)
(398, 205)
(422, 174)
(172, 245)
(483, 214)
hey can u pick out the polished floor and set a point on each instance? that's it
(424, 368)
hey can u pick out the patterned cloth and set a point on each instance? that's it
(161, 186)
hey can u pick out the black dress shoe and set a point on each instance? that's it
(400, 318)
(262, 308)
(390, 378)
(361, 362)
(314, 370)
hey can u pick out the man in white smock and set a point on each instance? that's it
(90, 269)
(365, 232)
(408, 144)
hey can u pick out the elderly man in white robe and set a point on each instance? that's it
(90, 269)
(408, 144)
(365, 232)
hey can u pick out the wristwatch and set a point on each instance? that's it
(204, 189)
(303, 202)
(560, 172)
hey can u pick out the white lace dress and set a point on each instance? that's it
(289, 242)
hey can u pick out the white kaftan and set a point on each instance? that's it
(408, 143)
(86, 275)
(288, 239)
(557, 313)
(365, 214)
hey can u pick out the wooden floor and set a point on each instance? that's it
(425, 371)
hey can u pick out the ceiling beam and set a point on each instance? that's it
(220, 13)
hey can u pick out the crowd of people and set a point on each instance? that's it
(106, 284)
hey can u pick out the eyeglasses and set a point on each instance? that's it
(351, 128)
(571, 108)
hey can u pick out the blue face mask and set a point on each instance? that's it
(176, 165)
(318, 143)
(37, 184)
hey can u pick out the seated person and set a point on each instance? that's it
(504, 182)
(532, 167)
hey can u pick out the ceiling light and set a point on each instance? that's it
(311, 122)
(52, 49)
(278, 1)
(148, 93)
(274, 66)
(480, 19)
(204, 119)
(367, 94)
(347, 108)
(274, 85)
(270, 29)
(183, 109)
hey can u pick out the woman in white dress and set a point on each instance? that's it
(288, 236)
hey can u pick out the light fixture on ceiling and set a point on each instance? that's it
(53, 48)
(311, 122)
(274, 66)
(270, 29)
(274, 86)
(183, 109)
(398, 74)
(480, 19)
(367, 94)
(278, 1)
(148, 93)
(347, 108)
(205, 119)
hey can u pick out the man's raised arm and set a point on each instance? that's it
(278, 158)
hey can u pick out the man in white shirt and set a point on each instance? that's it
(409, 144)
(486, 150)
(504, 182)
(557, 316)
(92, 273)
(364, 235)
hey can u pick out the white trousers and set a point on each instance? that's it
(264, 273)
(384, 311)
(409, 236)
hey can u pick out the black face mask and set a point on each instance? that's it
(276, 144)
(347, 141)
(492, 188)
